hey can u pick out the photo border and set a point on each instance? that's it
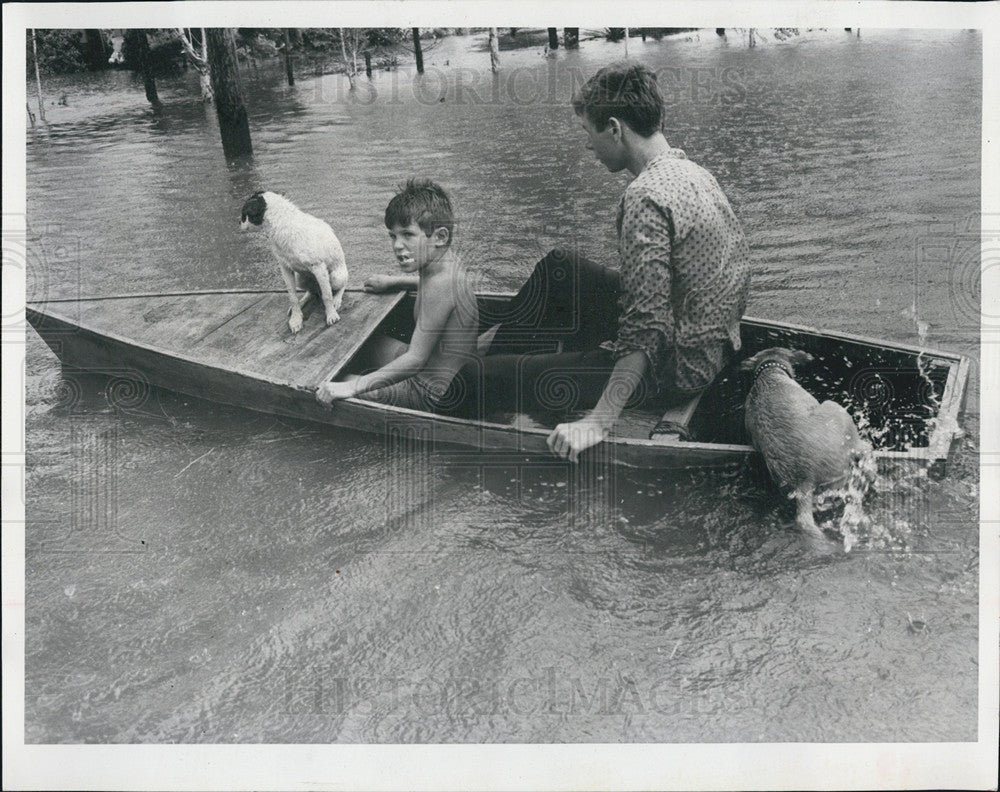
(462, 766)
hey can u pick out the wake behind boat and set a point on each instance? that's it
(234, 347)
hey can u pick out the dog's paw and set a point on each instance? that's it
(295, 322)
(332, 317)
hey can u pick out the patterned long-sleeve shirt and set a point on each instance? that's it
(685, 272)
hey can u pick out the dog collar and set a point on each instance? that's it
(771, 364)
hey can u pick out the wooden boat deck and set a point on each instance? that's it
(241, 331)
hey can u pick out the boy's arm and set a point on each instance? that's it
(436, 310)
(569, 439)
(647, 231)
(382, 283)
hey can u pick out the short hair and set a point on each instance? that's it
(626, 91)
(423, 202)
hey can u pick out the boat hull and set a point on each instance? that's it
(84, 350)
(82, 344)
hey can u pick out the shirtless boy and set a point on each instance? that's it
(417, 376)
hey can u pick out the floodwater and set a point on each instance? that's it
(198, 573)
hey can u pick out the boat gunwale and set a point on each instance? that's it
(752, 320)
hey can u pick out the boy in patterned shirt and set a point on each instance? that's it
(681, 289)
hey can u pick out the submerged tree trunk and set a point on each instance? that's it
(38, 80)
(553, 39)
(494, 50)
(94, 52)
(351, 71)
(418, 51)
(200, 61)
(205, 74)
(140, 45)
(288, 58)
(229, 104)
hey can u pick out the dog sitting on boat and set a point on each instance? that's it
(807, 446)
(308, 252)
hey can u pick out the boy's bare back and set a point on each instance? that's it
(447, 319)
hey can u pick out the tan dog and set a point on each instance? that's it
(806, 445)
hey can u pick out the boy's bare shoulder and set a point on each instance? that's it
(438, 296)
(448, 282)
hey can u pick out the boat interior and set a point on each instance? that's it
(892, 395)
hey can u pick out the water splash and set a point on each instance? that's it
(848, 517)
(922, 365)
(936, 421)
(875, 435)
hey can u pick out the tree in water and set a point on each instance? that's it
(38, 81)
(229, 105)
(353, 42)
(199, 59)
(347, 64)
(95, 51)
(418, 51)
(287, 45)
(494, 50)
(139, 43)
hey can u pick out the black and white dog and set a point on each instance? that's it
(307, 250)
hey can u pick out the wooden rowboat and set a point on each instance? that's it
(234, 347)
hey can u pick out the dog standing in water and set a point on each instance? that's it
(307, 250)
(807, 445)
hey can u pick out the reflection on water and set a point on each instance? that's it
(252, 579)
